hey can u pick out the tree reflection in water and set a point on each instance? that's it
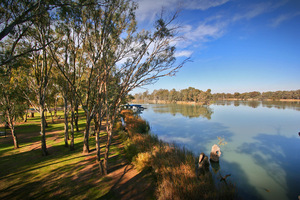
(189, 111)
(269, 104)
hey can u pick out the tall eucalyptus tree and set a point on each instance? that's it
(39, 74)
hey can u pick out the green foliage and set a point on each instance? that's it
(195, 95)
(277, 95)
(189, 95)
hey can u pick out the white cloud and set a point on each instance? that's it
(204, 4)
(284, 17)
(183, 54)
(254, 10)
(204, 32)
(148, 9)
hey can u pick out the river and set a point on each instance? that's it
(259, 141)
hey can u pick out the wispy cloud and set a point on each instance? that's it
(254, 10)
(284, 17)
(196, 33)
(183, 54)
(148, 9)
(204, 4)
(204, 32)
(195, 36)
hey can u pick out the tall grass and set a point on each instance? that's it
(173, 167)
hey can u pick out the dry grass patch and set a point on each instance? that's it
(173, 167)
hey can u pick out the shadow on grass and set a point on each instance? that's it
(131, 189)
(62, 182)
(62, 174)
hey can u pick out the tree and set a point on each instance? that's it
(149, 57)
(12, 102)
(236, 95)
(39, 74)
(16, 18)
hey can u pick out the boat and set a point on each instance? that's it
(134, 107)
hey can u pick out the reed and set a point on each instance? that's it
(173, 167)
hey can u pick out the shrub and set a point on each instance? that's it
(142, 161)
(173, 167)
(134, 124)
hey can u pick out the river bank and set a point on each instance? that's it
(140, 166)
(173, 167)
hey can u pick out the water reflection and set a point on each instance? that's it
(280, 157)
(190, 111)
(263, 150)
(269, 104)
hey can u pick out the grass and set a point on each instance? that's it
(166, 171)
(172, 166)
(64, 174)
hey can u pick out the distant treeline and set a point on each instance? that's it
(277, 95)
(195, 95)
(189, 95)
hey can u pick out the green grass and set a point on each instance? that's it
(63, 174)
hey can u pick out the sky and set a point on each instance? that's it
(234, 45)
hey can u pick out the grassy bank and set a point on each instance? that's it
(64, 174)
(173, 167)
(140, 166)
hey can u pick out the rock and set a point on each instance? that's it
(215, 153)
(203, 164)
(215, 166)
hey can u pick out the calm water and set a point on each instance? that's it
(262, 153)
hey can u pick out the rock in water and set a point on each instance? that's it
(203, 164)
(215, 166)
(215, 153)
(201, 157)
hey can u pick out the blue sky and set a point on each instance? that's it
(235, 45)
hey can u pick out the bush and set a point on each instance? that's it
(173, 167)
(142, 161)
(134, 124)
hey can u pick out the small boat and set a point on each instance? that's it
(134, 107)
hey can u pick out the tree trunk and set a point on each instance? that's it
(55, 107)
(105, 162)
(72, 131)
(99, 161)
(43, 131)
(12, 129)
(109, 136)
(98, 149)
(72, 126)
(14, 136)
(86, 148)
(76, 116)
(25, 120)
(49, 110)
(66, 121)
(96, 126)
